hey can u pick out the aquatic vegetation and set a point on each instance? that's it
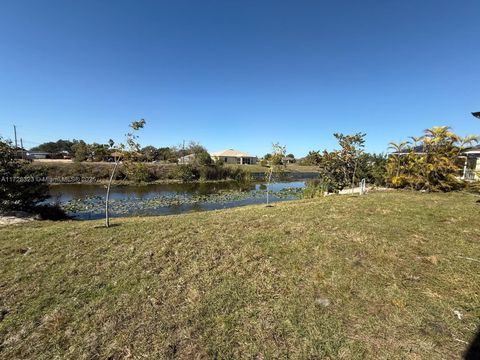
(86, 205)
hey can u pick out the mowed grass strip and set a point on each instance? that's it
(379, 276)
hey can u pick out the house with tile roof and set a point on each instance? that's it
(232, 156)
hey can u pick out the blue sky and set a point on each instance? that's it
(239, 74)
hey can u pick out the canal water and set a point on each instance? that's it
(87, 201)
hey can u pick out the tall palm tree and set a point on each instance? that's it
(468, 140)
(397, 149)
(415, 140)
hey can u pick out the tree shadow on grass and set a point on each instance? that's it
(473, 351)
(104, 227)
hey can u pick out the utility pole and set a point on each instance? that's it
(15, 132)
(21, 145)
(183, 151)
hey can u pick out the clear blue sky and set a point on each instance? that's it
(239, 74)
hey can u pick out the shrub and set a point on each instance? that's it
(313, 158)
(20, 185)
(434, 165)
(192, 172)
(185, 172)
(372, 168)
(315, 188)
(136, 172)
(473, 187)
(339, 168)
(203, 158)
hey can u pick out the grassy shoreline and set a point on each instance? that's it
(99, 172)
(378, 276)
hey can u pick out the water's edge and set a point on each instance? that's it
(87, 201)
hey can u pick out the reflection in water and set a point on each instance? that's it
(86, 201)
(68, 192)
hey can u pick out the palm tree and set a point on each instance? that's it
(440, 136)
(397, 149)
(415, 140)
(468, 140)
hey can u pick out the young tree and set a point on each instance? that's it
(276, 164)
(128, 150)
(338, 168)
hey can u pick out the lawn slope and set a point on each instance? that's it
(388, 275)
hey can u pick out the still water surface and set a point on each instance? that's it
(87, 201)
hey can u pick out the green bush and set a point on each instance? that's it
(372, 168)
(473, 187)
(203, 158)
(185, 172)
(435, 168)
(136, 172)
(192, 172)
(21, 186)
(317, 188)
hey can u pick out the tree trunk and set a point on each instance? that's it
(354, 172)
(107, 197)
(268, 183)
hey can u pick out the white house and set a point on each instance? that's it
(232, 156)
(187, 159)
(37, 155)
(471, 169)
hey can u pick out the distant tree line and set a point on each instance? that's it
(79, 150)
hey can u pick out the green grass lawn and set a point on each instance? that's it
(378, 276)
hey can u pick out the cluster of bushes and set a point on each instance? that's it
(22, 187)
(315, 188)
(128, 171)
(192, 172)
(432, 162)
(346, 166)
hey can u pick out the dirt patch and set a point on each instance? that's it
(15, 218)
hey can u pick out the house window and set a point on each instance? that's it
(246, 160)
(225, 160)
